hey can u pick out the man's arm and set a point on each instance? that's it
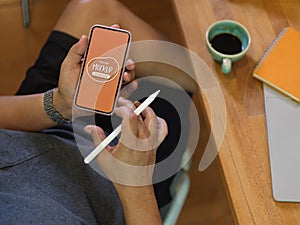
(27, 112)
(130, 164)
(139, 205)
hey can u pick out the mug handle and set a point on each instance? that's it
(226, 65)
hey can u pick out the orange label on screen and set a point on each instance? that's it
(102, 69)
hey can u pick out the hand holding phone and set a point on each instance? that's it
(102, 69)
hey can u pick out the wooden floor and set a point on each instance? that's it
(207, 201)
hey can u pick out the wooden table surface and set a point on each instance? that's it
(244, 154)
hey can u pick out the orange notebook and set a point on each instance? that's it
(280, 65)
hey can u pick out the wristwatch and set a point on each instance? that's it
(50, 110)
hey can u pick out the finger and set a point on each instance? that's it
(128, 76)
(124, 102)
(128, 89)
(162, 129)
(129, 64)
(96, 133)
(77, 51)
(157, 126)
(115, 26)
(149, 124)
(129, 122)
(129, 73)
(150, 120)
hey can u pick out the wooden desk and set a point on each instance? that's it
(244, 153)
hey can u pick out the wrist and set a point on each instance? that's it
(139, 204)
(61, 106)
(54, 107)
(137, 193)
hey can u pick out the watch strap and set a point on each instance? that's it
(54, 115)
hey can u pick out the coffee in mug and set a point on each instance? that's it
(227, 42)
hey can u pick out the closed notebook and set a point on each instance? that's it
(280, 65)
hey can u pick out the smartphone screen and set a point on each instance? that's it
(102, 69)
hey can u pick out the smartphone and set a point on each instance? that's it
(102, 69)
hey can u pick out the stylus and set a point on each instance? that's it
(117, 131)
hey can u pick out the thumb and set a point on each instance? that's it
(77, 51)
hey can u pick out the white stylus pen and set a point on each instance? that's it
(117, 131)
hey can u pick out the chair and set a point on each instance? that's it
(25, 10)
(179, 191)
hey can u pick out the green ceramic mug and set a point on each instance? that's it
(227, 41)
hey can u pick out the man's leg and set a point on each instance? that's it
(80, 15)
(76, 20)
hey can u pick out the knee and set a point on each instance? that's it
(99, 6)
(100, 11)
(85, 13)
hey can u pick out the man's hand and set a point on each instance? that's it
(69, 75)
(132, 160)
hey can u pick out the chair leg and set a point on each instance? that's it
(25, 10)
(179, 190)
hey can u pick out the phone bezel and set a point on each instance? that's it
(116, 94)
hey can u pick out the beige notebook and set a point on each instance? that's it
(283, 127)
